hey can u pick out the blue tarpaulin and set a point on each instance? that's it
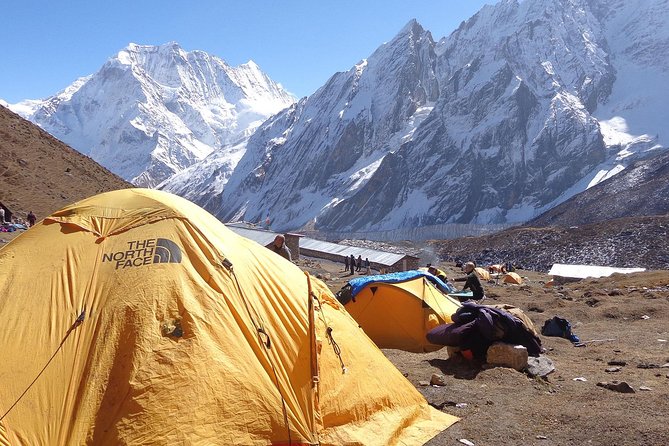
(359, 283)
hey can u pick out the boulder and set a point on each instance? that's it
(541, 366)
(507, 355)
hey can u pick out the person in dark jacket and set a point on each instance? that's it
(358, 263)
(279, 247)
(472, 282)
(352, 258)
(345, 263)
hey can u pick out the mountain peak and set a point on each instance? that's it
(501, 119)
(412, 28)
(153, 110)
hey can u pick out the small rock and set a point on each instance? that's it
(647, 365)
(645, 317)
(463, 405)
(665, 366)
(617, 386)
(541, 366)
(437, 380)
(507, 355)
(617, 362)
(465, 441)
(580, 378)
(541, 437)
(645, 388)
(440, 406)
(423, 383)
(613, 369)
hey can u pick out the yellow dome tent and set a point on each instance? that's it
(482, 273)
(399, 314)
(135, 317)
(512, 278)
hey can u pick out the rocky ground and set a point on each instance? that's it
(625, 242)
(623, 319)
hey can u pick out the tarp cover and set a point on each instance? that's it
(135, 317)
(584, 271)
(359, 283)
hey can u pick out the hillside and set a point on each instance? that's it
(42, 174)
(641, 189)
(624, 242)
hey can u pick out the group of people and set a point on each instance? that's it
(353, 264)
(5, 218)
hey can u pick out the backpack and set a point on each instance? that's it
(560, 327)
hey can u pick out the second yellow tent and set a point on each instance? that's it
(397, 310)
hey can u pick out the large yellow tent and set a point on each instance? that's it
(135, 317)
(399, 314)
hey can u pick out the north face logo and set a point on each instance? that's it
(166, 252)
(145, 252)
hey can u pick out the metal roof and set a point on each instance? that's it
(258, 235)
(374, 256)
(265, 237)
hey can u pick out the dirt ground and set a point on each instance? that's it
(626, 315)
(628, 318)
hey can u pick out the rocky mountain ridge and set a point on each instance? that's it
(522, 107)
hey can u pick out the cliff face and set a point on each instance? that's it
(522, 107)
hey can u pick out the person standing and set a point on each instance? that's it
(345, 263)
(472, 282)
(2, 215)
(352, 264)
(358, 263)
(367, 266)
(31, 219)
(279, 247)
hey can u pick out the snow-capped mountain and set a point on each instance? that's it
(524, 105)
(152, 111)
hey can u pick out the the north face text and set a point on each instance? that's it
(145, 252)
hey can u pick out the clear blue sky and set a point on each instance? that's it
(45, 44)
